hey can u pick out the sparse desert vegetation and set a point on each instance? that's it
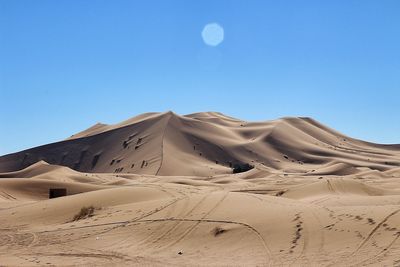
(84, 213)
(241, 167)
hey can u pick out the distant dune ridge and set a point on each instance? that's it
(202, 189)
(208, 143)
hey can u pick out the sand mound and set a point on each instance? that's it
(35, 189)
(37, 169)
(336, 186)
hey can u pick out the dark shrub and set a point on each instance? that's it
(218, 230)
(95, 160)
(84, 213)
(242, 167)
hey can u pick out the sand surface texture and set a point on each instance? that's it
(159, 190)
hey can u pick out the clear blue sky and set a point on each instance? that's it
(65, 65)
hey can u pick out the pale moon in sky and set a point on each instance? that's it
(213, 34)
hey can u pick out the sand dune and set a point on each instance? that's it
(162, 191)
(205, 144)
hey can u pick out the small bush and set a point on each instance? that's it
(218, 230)
(243, 167)
(84, 213)
(125, 144)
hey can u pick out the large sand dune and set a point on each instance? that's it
(164, 193)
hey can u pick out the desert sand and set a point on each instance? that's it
(160, 190)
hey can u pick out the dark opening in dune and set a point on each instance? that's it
(57, 192)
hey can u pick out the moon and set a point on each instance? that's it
(213, 34)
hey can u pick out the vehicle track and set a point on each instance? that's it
(251, 228)
(158, 209)
(184, 216)
(369, 236)
(380, 253)
(191, 229)
(373, 231)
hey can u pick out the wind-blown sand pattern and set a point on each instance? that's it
(163, 193)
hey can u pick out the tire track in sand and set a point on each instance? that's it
(251, 228)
